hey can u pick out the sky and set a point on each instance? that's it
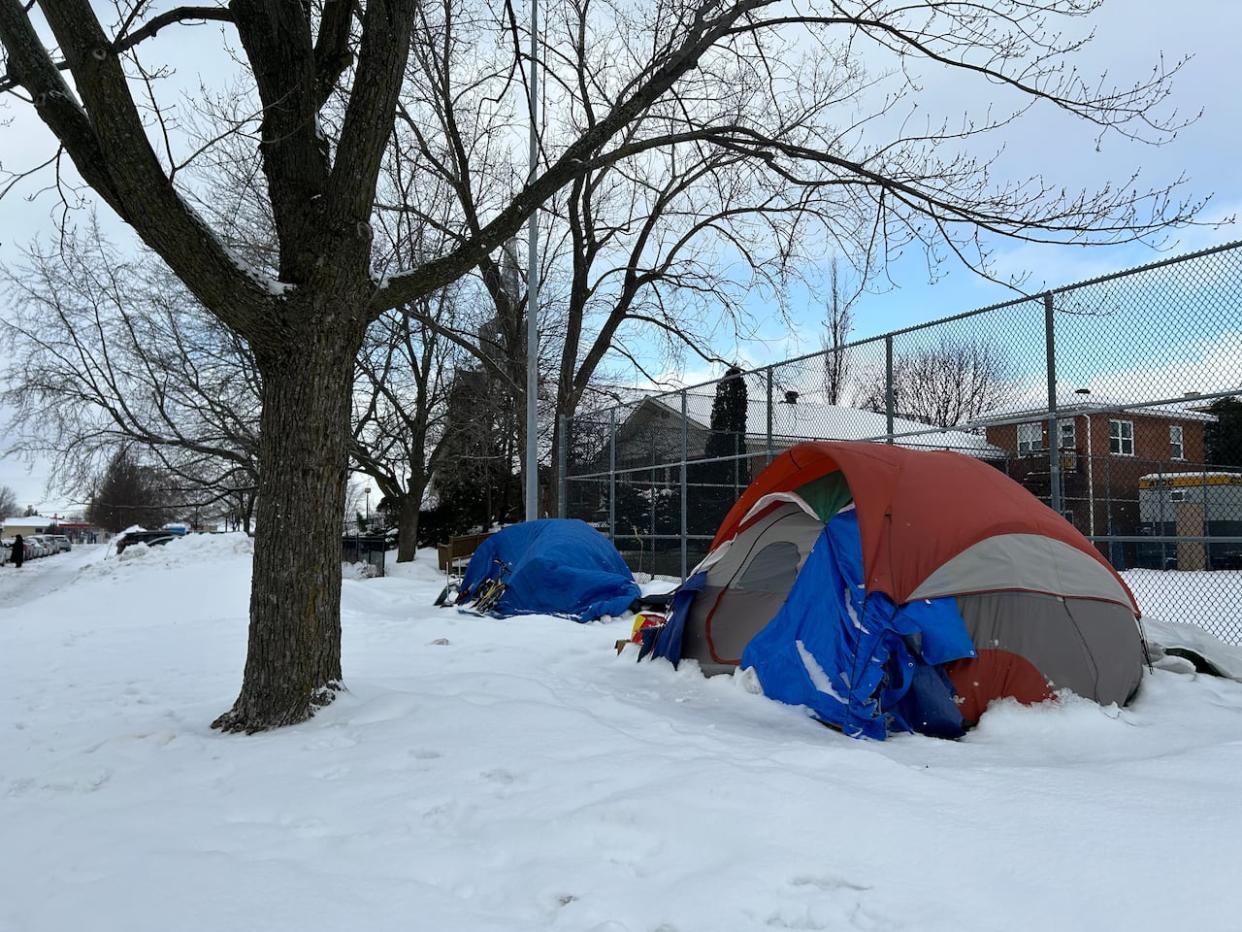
(1131, 36)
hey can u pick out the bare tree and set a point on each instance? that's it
(838, 358)
(108, 351)
(947, 383)
(405, 371)
(8, 503)
(328, 84)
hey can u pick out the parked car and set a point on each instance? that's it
(63, 544)
(150, 538)
(35, 547)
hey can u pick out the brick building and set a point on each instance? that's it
(1105, 451)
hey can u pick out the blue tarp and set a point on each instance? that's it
(665, 641)
(859, 661)
(554, 566)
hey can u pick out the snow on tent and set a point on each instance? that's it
(889, 589)
(553, 566)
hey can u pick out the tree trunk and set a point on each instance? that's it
(293, 659)
(552, 491)
(407, 528)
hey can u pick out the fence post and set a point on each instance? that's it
(1204, 491)
(769, 433)
(1054, 436)
(562, 467)
(890, 394)
(651, 485)
(685, 485)
(612, 474)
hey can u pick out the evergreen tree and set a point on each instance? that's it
(717, 483)
(127, 494)
(728, 431)
(1224, 436)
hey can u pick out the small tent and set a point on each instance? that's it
(894, 589)
(553, 566)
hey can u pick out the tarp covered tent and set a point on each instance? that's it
(892, 589)
(553, 566)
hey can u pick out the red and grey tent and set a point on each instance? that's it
(835, 541)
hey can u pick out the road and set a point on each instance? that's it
(38, 577)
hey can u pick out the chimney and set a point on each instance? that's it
(791, 398)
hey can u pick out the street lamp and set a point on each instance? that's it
(367, 492)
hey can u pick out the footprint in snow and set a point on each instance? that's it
(500, 775)
(827, 883)
(425, 754)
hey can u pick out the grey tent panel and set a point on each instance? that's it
(1089, 646)
(1023, 561)
(747, 587)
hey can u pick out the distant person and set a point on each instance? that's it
(19, 551)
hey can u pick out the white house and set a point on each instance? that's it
(27, 525)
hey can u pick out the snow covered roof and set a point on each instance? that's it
(1192, 477)
(812, 421)
(1075, 405)
(34, 521)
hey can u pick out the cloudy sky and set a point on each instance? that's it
(1131, 36)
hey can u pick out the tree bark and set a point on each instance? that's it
(552, 490)
(407, 529)
(293, 661)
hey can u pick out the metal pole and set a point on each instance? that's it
(769, 457)
(562, 469)
(890, 395)
(1090, 475)
(652, 525)
(612, 474)
(685, 486)
(1207, 523)
(532, 288)
(1054, 444)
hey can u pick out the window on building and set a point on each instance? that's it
(1067, 436)
(1177, 444)
(1030, 438)
(1121, 437)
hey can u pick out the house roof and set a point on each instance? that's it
(811, 421)
(1074, 405)
(30, 521)
(1186, 480)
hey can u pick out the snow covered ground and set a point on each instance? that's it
(517, 775)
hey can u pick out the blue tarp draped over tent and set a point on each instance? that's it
(859, 661)
(665, 641)
(554, 566)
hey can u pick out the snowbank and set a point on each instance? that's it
(516, 775)
(192, 548)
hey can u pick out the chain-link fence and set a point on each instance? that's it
(1116, 401)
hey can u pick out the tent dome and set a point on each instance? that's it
(888, 588)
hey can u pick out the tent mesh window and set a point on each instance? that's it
(772, 569)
